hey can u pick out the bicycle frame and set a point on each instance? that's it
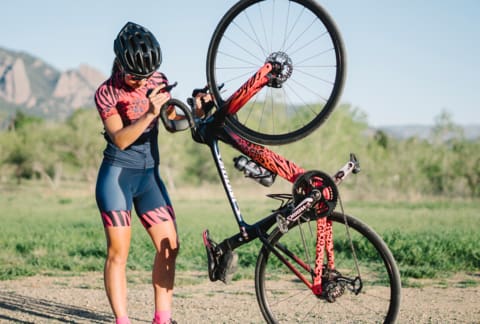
(213, 129)
(292, 92)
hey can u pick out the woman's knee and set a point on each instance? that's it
(174, 250)
(118, 245)
(164, 236)
(168, 247)
(117, 257)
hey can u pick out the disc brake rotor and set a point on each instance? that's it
(282, 68)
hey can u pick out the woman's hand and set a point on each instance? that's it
(157, 99)
(203, 103)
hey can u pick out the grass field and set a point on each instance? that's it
(46, 232)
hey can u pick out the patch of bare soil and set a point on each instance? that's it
(81, 299)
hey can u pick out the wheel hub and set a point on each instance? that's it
(282, 68)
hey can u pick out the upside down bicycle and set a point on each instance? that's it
(334, 267)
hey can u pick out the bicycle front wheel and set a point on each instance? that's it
(284, 298)
(297, 35)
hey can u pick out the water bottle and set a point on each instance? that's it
(252, 170)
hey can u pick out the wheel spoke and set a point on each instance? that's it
(308, 46)
(284, 298)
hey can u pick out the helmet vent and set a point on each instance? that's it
(137, 50)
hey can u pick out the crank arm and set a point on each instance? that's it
(352, 166)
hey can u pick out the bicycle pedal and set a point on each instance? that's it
(227, 266)
(212, 262)
(208, 242)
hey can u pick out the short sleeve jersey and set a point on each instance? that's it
(115, 97)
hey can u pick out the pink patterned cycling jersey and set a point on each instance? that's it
(114, 96)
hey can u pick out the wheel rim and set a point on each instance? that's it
(283, 298)
(258, 30)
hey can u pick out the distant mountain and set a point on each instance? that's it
(471, 132)
(29, 84)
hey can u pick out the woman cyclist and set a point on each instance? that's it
(129, 103)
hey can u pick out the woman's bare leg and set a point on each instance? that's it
(115, 279)
(164, 237)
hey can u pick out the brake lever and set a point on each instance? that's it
(206, 108)
(167, 88)
(205, 89)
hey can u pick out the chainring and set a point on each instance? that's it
(316, 180)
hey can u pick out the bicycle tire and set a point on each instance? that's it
(292, 301)
(306, 33)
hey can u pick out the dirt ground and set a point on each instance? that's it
(81, 299)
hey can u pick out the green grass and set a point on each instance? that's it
(51, 232)
(428, 239)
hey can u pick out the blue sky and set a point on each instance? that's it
(407, 60)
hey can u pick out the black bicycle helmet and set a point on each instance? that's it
(137, 50)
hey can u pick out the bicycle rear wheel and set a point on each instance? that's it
(300, 36)
(283, 298)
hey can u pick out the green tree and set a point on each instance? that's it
(445, 129)
(22, 121)
(19, 154)
(82, 142)
(466, 165)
